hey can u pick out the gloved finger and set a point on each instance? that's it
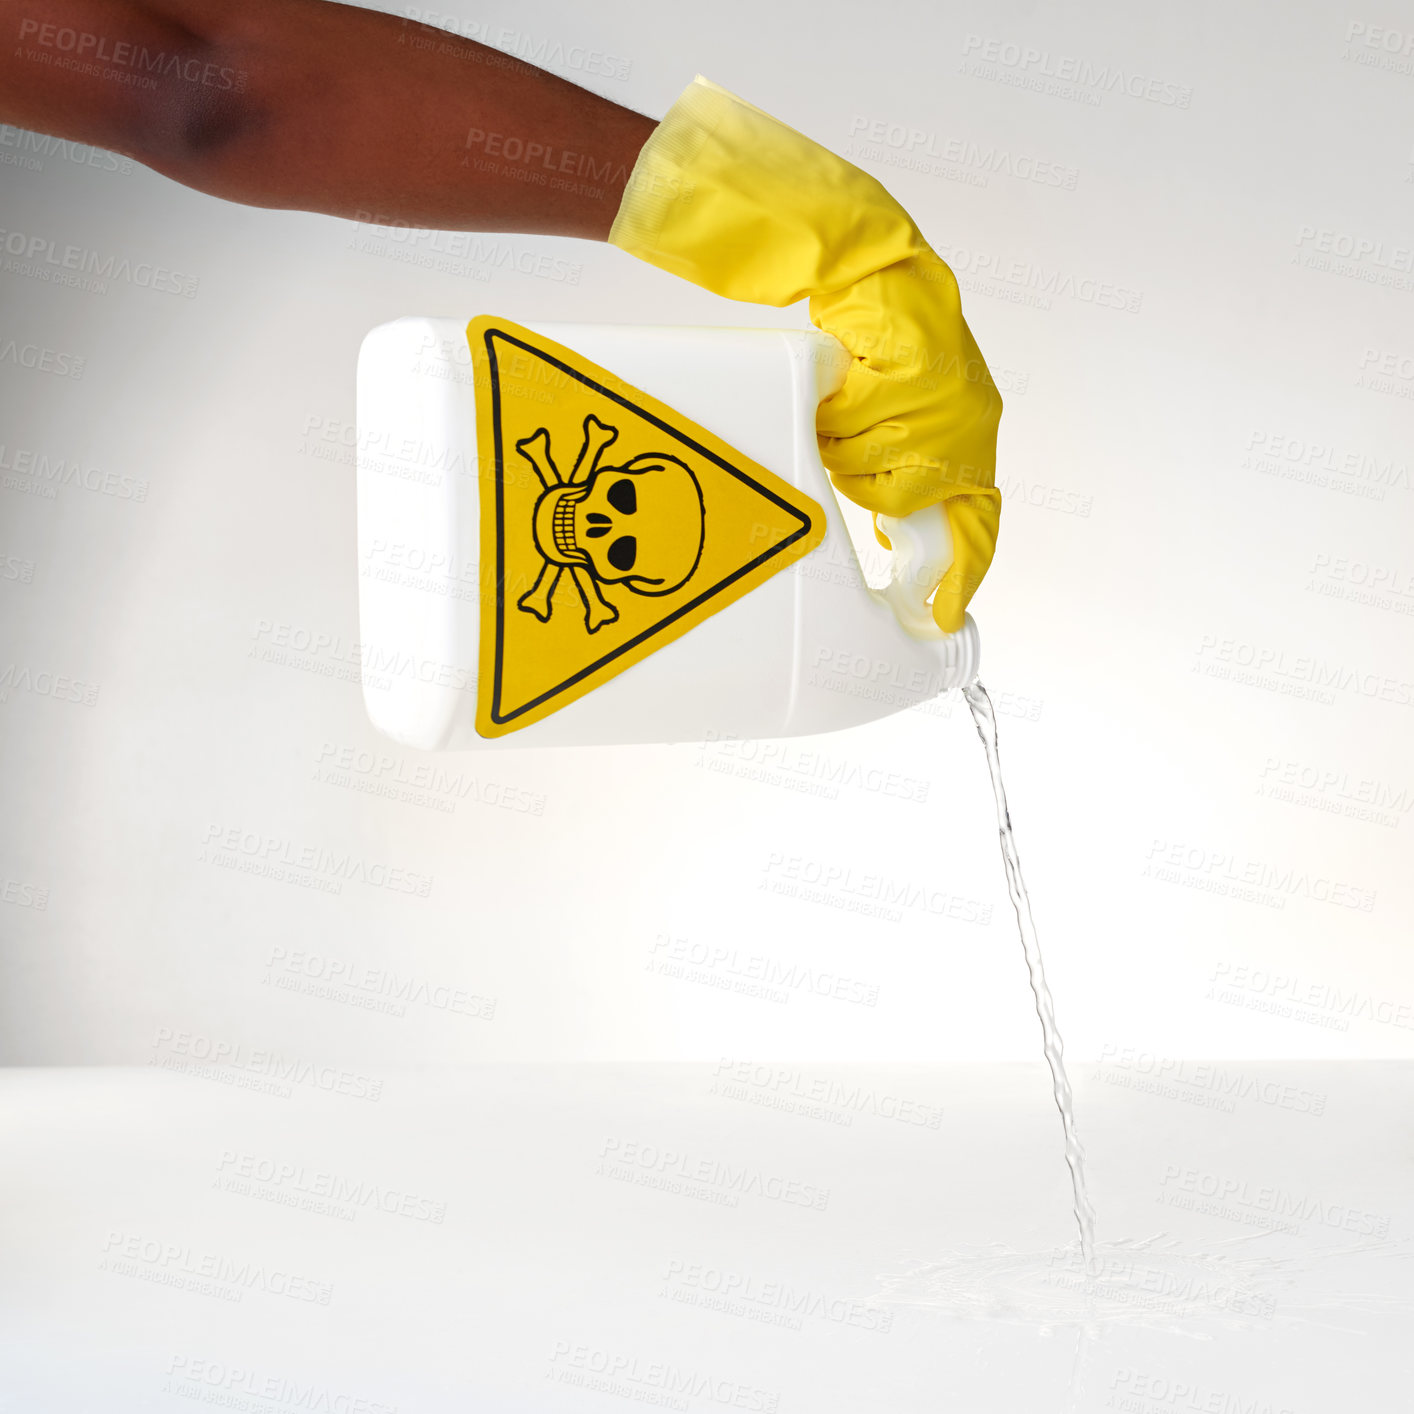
(917, 413)
(904, 320)
(974, 521)
(900, 465)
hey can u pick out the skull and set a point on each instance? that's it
(640, 524)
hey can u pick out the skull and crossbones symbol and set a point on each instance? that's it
(639, 524)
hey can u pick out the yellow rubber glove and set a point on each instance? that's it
(728, 197)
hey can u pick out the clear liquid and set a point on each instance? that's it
(986, 720)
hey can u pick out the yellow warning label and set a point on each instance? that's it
(610, 524)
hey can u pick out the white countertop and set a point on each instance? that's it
(791, 1238)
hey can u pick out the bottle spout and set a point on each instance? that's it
(963, 659)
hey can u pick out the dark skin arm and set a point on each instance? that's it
(309, 105)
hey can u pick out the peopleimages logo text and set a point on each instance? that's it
(37, 254)
(124, 54)
(1069, 68)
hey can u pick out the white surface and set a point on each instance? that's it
(896, 1242)
(1152, 547)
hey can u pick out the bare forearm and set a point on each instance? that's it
(316, 106)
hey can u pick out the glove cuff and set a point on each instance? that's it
(659, 176)
(726, 196)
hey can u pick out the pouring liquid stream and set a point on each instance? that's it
(986, 721)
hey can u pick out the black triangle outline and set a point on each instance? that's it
(807, 524)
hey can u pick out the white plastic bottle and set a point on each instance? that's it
(810, 649)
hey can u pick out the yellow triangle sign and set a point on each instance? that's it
(610, 524)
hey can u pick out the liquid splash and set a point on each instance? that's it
(1165, 1284)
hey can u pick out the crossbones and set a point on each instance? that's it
(552, 512)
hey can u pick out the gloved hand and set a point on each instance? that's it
(726, 196)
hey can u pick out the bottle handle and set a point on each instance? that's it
(922, 542)
(922, 555)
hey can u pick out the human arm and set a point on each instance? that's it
(317, 106)
(310, 105)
